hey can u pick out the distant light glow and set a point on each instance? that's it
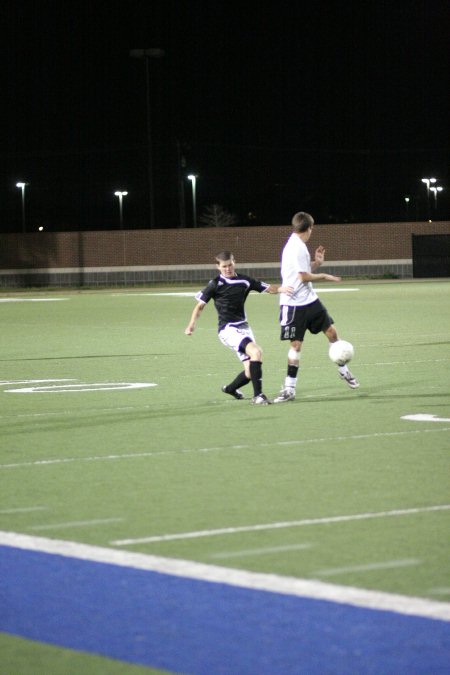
(435, 191)
(193, 178)
(22, 187)
(121, 194)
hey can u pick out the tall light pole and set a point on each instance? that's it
(407, 200)
(193, 178)
(435, 190)
(148, 54)
(121, 195)
(22, 186)
(427, 182)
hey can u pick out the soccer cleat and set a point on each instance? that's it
(285, 395)
(351, 381)
(261, 399)
(236, 393)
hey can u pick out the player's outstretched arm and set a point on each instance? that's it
(310, 276)
(277, 288)
(194, 317)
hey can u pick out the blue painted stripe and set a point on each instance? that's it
(198, 627)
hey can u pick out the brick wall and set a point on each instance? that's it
(181, 247)
(142, 257)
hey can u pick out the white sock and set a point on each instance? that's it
(290, 382)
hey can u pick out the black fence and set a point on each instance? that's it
(431, 255)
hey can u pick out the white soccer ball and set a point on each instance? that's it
(341, 352)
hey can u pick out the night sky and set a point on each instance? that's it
(336, 108)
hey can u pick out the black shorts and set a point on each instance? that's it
(295, 321)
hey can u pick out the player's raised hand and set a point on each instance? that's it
(319, 255)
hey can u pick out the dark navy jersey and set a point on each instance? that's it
(229, 295)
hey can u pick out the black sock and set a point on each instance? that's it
(292, 371)
(240, 381)
(256, 375)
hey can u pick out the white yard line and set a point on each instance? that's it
(261, 551)
(384, 565)
(279, 525)
(440, 590)
(24, 509)
(73, 413)
(191, 294)
(81, 387)
(292, 586)
(64, 379)
(225, 448)
(94, 458)
(76, 523)
(32, 299)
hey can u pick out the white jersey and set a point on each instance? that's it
(295, 258)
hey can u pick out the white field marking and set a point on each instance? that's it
(424, 417)
(64, 379)
(260, 551)
(83, 386)
(25, 509)
(185, 294)
(181, 294)
(272, 583)
(403, 363)
(385, 565)
(69, 460)
(32, 299)
(76, 523)
(440, 590)
(224, 448)
(72, 413)
(387, 334)
(280, 525)
(335, 290)
(190, 294)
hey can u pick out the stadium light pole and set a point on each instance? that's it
(22, 186)
(435, 190)
(407, 200)
(121, 195)
(147, 54)
(427, 182)
(193, 178)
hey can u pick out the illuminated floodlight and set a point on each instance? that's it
(435, 190)
(193, 178)
(21, 185)
(121, 194)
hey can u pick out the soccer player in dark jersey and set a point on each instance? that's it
(229, 291)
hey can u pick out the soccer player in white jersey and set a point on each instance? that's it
(229, 291)
(302, 310)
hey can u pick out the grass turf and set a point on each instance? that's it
(109, 465)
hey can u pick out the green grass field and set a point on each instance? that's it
(335, 486)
